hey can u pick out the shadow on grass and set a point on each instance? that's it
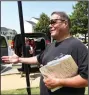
(34, 91)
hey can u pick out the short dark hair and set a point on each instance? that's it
(63, 16)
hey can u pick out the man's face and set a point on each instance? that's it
(56, 26)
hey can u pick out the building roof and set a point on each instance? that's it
(32, 22)
(35, 18)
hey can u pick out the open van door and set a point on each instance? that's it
(40, 39)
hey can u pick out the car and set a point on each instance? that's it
(4, 46)
(41, 41)
(5, 51)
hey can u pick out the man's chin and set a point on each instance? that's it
(53, 36)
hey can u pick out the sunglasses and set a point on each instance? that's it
(53, 21)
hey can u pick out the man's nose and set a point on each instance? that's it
(50, 25)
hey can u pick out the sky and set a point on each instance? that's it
(10, 16)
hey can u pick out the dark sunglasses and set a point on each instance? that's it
(53, 21)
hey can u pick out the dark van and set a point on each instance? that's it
(41, 40)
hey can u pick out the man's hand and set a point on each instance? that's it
(10, 59)
(52, 82)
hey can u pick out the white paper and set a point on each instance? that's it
(64, 67)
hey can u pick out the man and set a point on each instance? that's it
(65, 44)
(29, 48)
(33, 45)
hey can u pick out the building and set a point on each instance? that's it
(30, 25)
(9, 33)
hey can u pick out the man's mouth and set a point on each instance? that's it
(51, 30)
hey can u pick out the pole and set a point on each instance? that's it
(23, 43)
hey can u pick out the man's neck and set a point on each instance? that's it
(63, 38)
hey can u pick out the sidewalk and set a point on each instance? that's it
(12, 80)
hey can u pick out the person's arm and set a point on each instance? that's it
(30, 60)
(17, 59)
(76, 82)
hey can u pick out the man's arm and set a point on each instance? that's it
(30, 60)
(17, 59)
(76, 82)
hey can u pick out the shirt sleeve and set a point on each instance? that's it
(40, 56)
(83, 67)
(83, 61)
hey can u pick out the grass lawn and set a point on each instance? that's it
(86, 92)
(34, 91)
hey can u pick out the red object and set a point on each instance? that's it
(47, 42)
(32, 43)
(12, 44)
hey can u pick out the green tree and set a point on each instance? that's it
(79, 18)
(43, 24)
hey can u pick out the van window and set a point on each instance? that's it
(3, 43)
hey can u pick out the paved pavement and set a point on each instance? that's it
(11, 79)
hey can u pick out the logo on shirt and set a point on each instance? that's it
(60, 56)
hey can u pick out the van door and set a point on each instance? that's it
(40, 39)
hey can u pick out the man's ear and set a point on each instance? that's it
(66, 23)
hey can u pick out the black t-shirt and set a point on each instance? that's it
(78, 51)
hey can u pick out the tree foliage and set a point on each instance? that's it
(79, 18)
(43, 24)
